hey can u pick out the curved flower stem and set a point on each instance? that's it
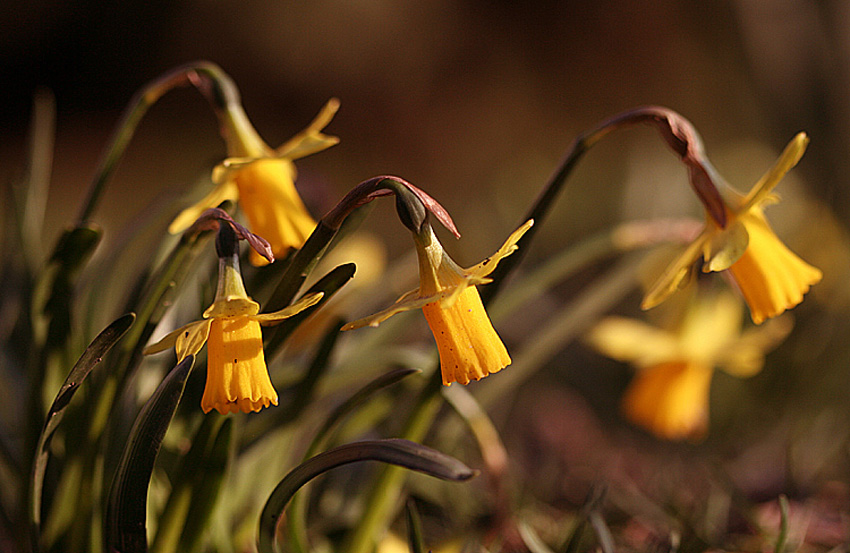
(207, 77)
(412, 204)
(386, 490)
(682, 137)
(679, 134)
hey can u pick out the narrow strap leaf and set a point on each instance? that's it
(414, 529)
(329, 284)
(403, 453)
(297, 528)
(125, 529)
(91, 357)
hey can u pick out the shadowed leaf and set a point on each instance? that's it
(125, 529)
(196, 485)
(91, 357)
(403, 453)
(297, 526)
(414, 529)
(329, 284)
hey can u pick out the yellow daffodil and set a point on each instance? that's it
(468, 345)
(769, 275)
(263, 180)
(237, 377)
(670, 393)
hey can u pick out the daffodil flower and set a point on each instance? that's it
(263, 181)
(237, 377)
(769, 275)
(670, 393)
(468, 345)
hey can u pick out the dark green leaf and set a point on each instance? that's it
(300, 266)
(403, 453)
(125, 529)
(54, 290)
(329, 284)
(91, 357)
(355, 400)
(297, 527)
(414, 529)
(195, 487)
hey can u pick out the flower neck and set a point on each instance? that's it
(437, 271)
(241, 137)
(231, 299)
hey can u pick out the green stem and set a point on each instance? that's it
(391, 479)
(208, 78)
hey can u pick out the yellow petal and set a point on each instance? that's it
(232, 306)
(469, 346)
(311, 140)
(676, 275)
(787, 160)
(711, 326)
(169, 340)
(237, 378)
(289, 311)
(725, 247)
(223, 191)
(192, 339)
(489, 265)
(670, 400)
(407, 302)
(745, 357)
(633, 341)
(273, 207)
(770, 276)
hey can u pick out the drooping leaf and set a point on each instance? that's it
(196, 484)
(414, 529)
(91, 357)
(329, 284)
(125, 528)
(297, 526)
(398, 452)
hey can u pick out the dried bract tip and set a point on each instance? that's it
(211, 220)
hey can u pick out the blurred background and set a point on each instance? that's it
(463, 98)
(476, 102)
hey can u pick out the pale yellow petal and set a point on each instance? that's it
(289, 311)
(489, 265)
(408, 302)
(745, 357)
(630, 340)
(789, 158)
(726, 247)
(224, 191)
(676, 275)
(192, 339)
(167, 341)
(311, 140)
(232, 306)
